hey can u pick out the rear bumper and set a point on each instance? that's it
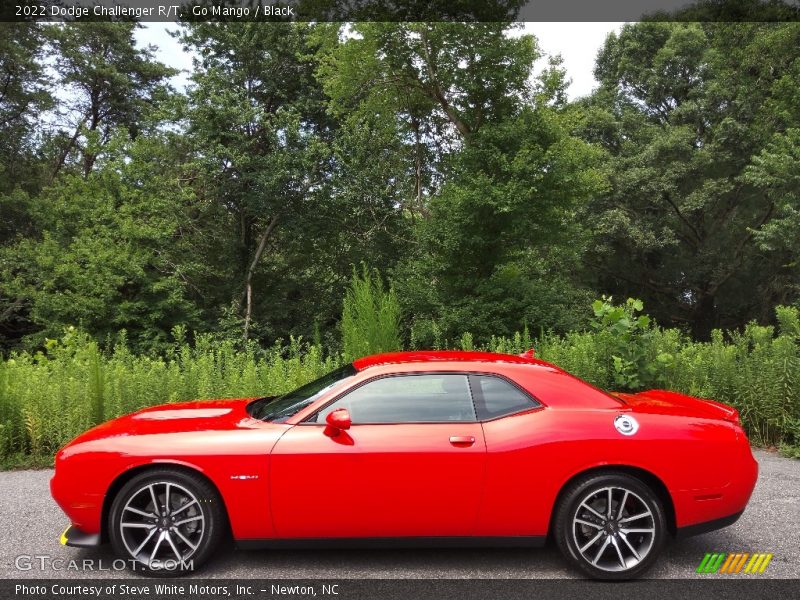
(709, 508)
(76, 538)
(706, 526)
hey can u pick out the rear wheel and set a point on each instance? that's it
(166, 522)
(610, 526)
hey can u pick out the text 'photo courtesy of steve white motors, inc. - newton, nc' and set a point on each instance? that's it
(139, 590)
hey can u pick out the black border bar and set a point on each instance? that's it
(709, 588)
(399, 10)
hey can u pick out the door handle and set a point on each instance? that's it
(462, 440)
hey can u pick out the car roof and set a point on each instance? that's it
(420, 356)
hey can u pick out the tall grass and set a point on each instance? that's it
(370, 316)
(49, 397)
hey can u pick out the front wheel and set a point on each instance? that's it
(166, 522)
(610, 526)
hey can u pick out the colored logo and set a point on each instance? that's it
(737, 562)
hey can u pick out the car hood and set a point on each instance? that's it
(664, 402)
(198, 415)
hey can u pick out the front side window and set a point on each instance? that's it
(495, 397)
(282, 407)
(434, 398)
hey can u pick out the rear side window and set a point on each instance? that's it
(495, 397)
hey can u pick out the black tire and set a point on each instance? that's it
(193, 526)
(617, 543)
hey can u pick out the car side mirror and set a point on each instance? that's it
(339, 419)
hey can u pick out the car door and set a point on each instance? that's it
(517, 434)
(411, 464)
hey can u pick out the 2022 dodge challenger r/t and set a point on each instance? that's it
(443, 448)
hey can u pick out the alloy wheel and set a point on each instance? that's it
(162, 522)
(613, 528)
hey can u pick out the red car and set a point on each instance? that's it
(444, 448)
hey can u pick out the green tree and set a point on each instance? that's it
(423, 89)
(466, 74)
(299, 198)
(109, 253)
(257, 119)
(477, 156)
(111, 84)
(776, 171)
(683, 109)
(107, 87)
(24, 95)
(502, 243)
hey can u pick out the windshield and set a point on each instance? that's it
(280, 408)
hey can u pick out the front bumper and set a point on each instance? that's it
(81, 508)
(76, 538)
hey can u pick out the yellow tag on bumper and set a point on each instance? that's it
(64, 536)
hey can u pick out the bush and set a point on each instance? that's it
(756, 370)
(370, 317)
(49, 397)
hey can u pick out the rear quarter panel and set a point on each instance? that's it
(533, 456)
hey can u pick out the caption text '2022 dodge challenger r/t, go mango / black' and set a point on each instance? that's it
(442, 448)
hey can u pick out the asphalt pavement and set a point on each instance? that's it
(32, 524)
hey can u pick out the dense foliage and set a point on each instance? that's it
(445, 155)
(49, 397)
(698, 121)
